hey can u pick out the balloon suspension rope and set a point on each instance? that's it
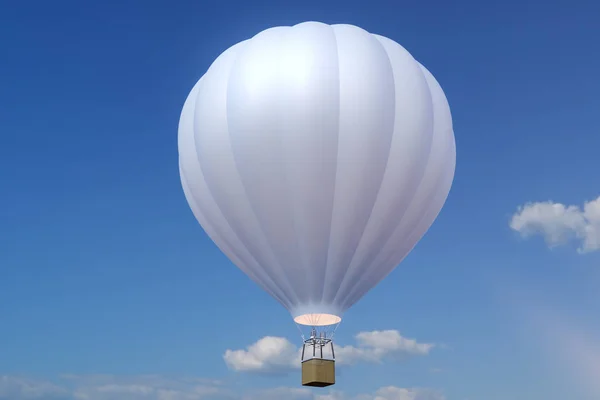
(300, 330)
(318, 339)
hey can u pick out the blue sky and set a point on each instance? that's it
(110, 289)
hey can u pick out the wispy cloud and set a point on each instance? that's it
(276, 354)
(20, 388)
(577, 348)
(572, 347)
(112, 387)
(384, 393)
(156, 387)
(396, 393)
(558, 223)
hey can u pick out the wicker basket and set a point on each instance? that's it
(318, 372)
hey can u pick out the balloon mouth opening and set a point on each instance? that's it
(317, 319)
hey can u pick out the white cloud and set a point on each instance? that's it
(269, 354)
(558, 223)
(154, 387)
(276, 354)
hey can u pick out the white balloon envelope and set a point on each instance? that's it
(315, 157)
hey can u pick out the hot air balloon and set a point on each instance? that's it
(315, 157)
